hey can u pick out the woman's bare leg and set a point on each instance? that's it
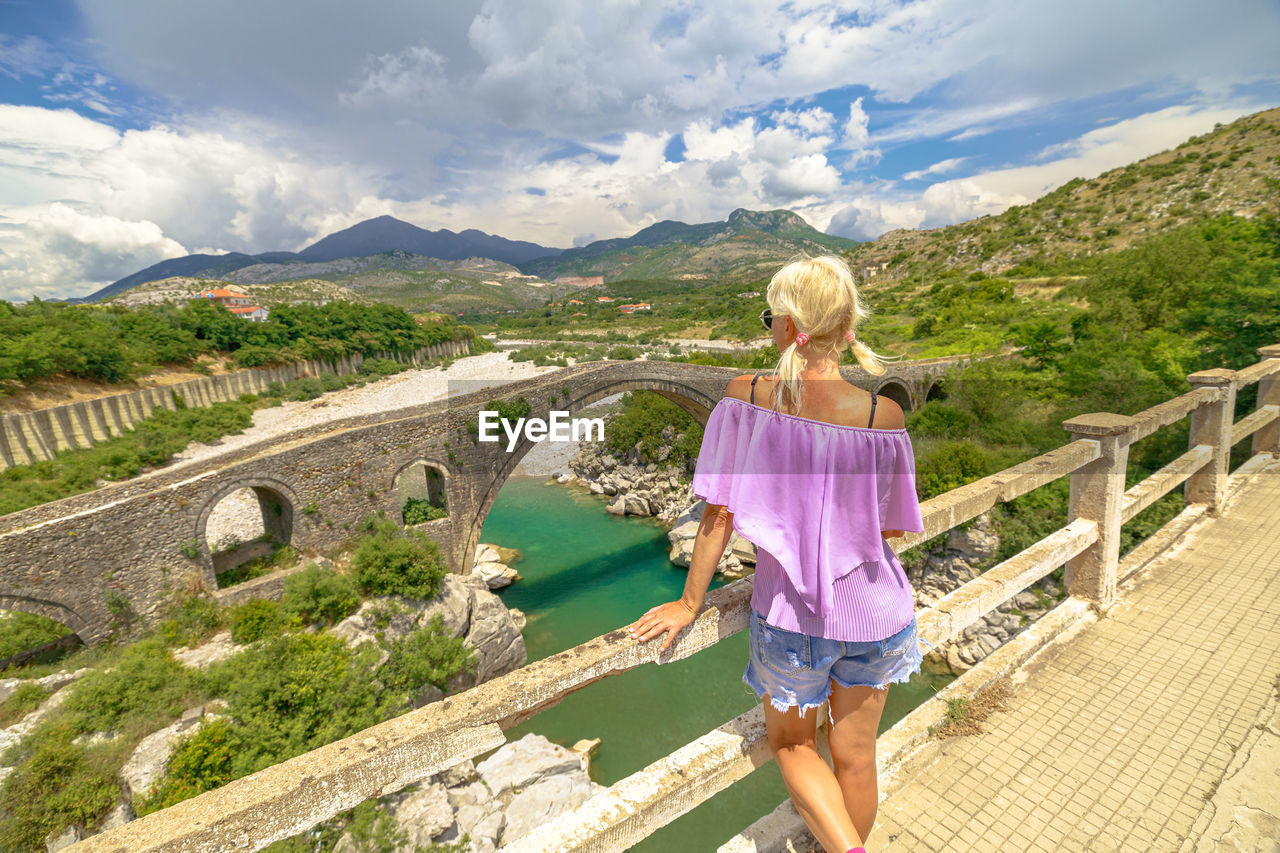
(814, 790)
(856, 711)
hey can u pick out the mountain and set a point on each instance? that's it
(386, 233)
(743, 246)
(414, 282)
(1233, 169)
(371, 237)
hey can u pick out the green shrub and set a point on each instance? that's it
(624, 354)
(306, 388)
(201, 761)
(391, 561)
(24, 700)
(286, 696)
(57, 785)
(316, 595)
(191, 619)
(145, 687)
(641, 422)
(281, 558)
(256, 619)
(429, 655)
(421, 510)
(948, 466)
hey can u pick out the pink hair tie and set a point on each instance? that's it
(802, 339)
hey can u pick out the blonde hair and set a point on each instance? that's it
(820, 297)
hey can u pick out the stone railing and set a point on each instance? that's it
(290, 797)
(29, 437)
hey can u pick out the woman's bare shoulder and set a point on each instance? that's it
(888, 414)
(740, 386)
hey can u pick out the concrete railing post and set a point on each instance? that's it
(1267, 439)
(1211, 425)
(1097, 492)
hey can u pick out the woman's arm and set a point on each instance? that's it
(713, 535)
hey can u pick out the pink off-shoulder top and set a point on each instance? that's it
(813, 498)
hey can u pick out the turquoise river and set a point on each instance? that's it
(586, 573)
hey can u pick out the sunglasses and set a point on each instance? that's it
(766, 317)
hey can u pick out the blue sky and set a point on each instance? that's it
(136, 130)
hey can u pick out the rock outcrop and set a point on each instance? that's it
(466, 608)
(495, 802)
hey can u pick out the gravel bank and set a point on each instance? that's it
(411, 388)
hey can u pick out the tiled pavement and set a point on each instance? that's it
(1118, 739)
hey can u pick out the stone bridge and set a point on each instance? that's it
(119, 551)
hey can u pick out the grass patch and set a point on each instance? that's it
(965, 716)
(23, 701)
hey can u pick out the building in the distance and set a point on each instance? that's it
(631, 308)
(256, 313)
(240, 304)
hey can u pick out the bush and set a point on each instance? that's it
(641, 422)
(23, 701)
(316, 595)
(192, 619)
(145, 686)
(624, 354)
(389, 561)
(58, 785)
(421, 510)
(201, 761)
(948, 466)
(427, 656)
(286, 696)
(256, 619)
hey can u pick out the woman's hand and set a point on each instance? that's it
(672, 617)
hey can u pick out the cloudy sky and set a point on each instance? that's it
(137, 130)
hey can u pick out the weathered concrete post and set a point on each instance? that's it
(1211, 425)
(1097, 490)
(1267, 439)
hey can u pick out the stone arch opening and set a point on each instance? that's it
(694, 400)
(898, 393)
(244, 523)
(937, 391)
(45, 629)
(421, 492)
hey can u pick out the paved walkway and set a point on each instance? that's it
(1154, 729)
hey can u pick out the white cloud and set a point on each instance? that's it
(857, 137)
(939, 168)
(52, 251)
(868, 216)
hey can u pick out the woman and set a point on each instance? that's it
(818, 474)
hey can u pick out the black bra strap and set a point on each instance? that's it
(872, 419)
(754, 380)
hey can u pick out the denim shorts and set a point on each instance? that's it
(796, 669)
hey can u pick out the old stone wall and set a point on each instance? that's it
(27, 437)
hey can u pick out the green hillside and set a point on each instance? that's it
(1234, 169)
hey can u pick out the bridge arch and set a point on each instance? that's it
(698, 399)
(276, 502)
(897, 392)
(425, 483)
(56, 611)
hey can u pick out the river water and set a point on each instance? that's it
(586, 573)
